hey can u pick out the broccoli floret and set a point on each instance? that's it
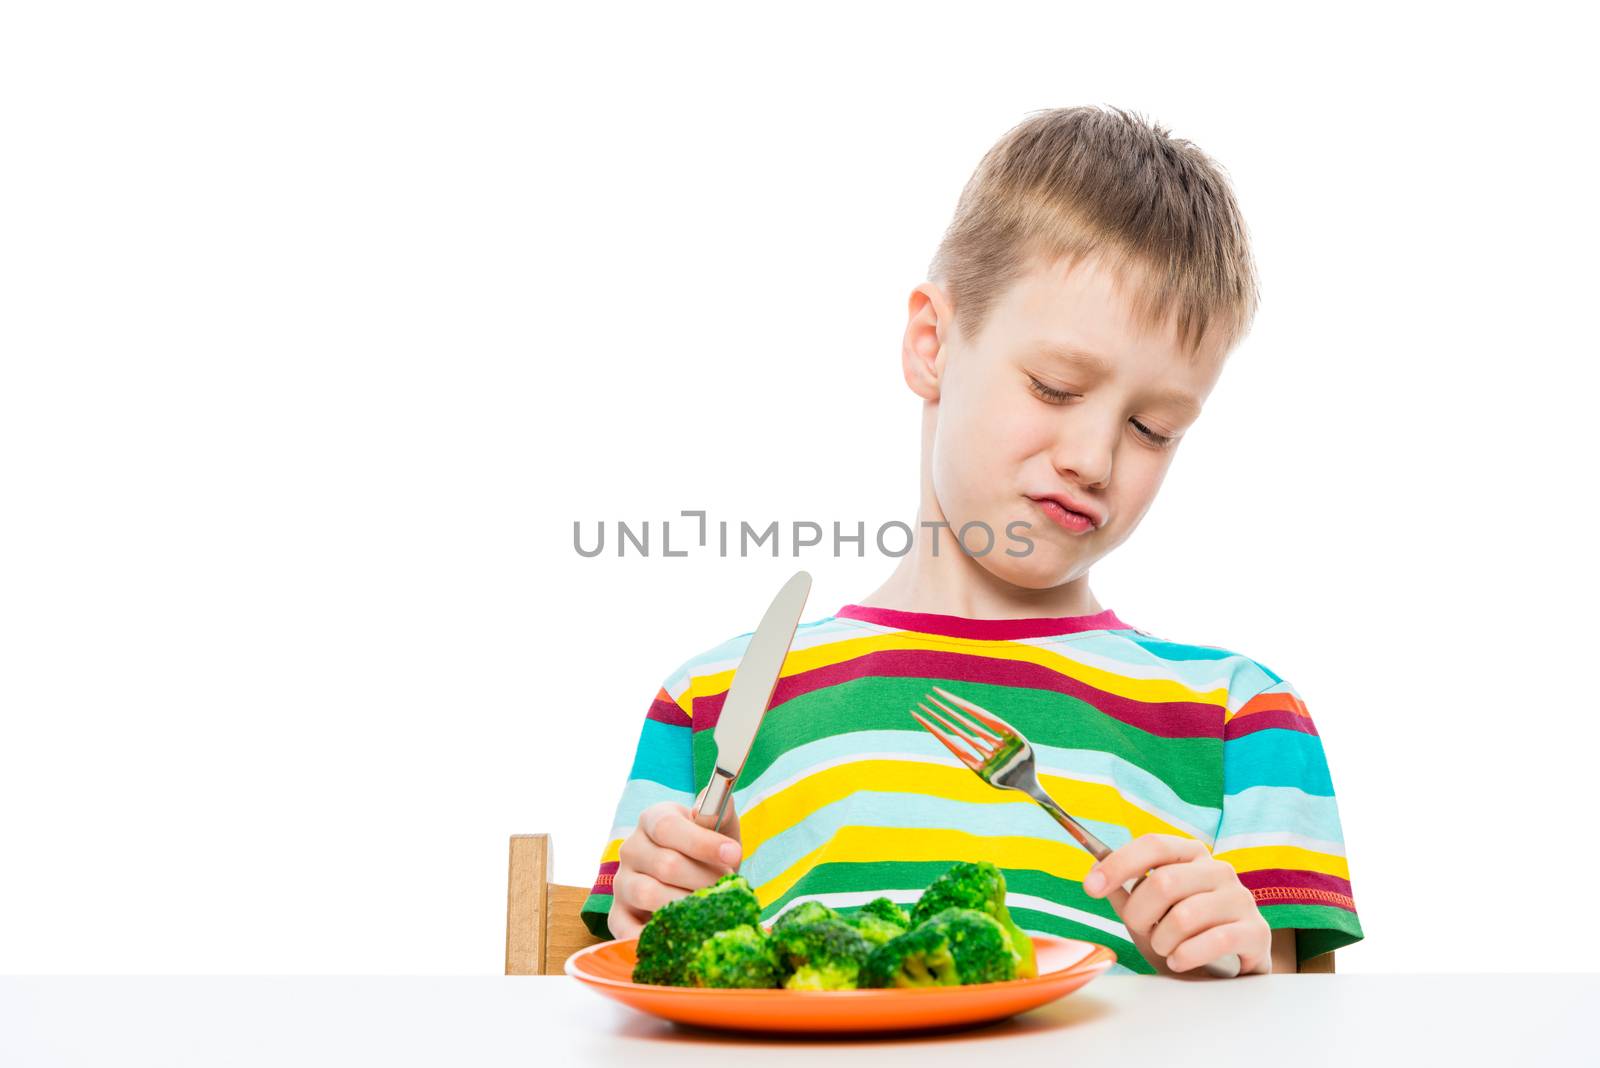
(880, 920)
(740, 957)
(955, 947)
(675, 931)
(805, 912)
(824, 955)
(875, 928)
(980, 886)
(885, 909)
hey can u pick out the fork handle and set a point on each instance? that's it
(1224, 967)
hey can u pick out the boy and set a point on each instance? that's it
(1078, 313)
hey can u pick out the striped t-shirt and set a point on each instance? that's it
(844, 797)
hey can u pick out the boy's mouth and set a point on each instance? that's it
(1064, 515)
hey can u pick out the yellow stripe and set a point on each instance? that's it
(1292, 857)
(613, 851)
(830, 653)
(871, 845)
(793, 804)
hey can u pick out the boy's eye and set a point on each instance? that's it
(1056, 396)
(1159, 440)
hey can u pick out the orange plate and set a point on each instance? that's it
(1065, 964)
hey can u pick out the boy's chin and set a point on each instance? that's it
(1042, 569)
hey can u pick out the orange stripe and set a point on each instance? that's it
(1282, 701)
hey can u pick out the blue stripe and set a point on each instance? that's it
(1200, 674)
(1280, 810)
(664, 756)
(639, 795)
(1275, 757)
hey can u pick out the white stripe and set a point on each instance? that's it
(727, 655)
(1066, 912)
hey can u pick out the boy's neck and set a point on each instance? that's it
(955, 584)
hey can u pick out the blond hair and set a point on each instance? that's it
(1068, 183)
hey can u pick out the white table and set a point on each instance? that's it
(1356, 1020)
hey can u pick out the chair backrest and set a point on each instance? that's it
(543, 927)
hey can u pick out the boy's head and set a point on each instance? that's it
(1077, 315)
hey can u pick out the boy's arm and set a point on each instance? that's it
(662, 771)
(1275, 889)
(1283, 951)
(1280, 827)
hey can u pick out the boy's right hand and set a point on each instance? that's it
(667, 856)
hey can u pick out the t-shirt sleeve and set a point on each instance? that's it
(1280, 823)
(663, 770)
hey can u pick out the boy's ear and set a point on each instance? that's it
(922, 352)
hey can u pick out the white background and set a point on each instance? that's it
(321, 323)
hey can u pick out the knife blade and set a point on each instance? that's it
(748, 695)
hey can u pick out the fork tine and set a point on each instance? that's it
(971, 726)
(987, 718)
(980, 744)
(949, 743)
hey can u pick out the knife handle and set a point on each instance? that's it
(713, 803)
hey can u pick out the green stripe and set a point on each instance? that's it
(1323, 928)
(1128, 954)
(596, 908)
(1192, 767)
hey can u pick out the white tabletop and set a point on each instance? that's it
(1358, 1020)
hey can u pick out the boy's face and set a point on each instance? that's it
(1003, 435)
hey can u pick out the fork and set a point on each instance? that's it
(1002, 757)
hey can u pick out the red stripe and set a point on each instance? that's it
(1294, 880)
(665, 709)
(1280, 718)
(1166, 719)
(986, 629)
(602, 882)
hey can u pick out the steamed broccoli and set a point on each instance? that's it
(676, 930)
(826, 954)
(980, 886)
(885, 909)
(805, 912)
(880, 920)
(738, 957)
(955, 947)
(874, 928)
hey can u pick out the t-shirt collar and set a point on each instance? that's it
(983, 629)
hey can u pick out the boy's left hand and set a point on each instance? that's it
(1190, 909)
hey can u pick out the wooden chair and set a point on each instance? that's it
(543, 927)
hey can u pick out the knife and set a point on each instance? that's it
(753, 682)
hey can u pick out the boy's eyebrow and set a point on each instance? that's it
(1099, 367)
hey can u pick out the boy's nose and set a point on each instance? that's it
(1082, 461)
